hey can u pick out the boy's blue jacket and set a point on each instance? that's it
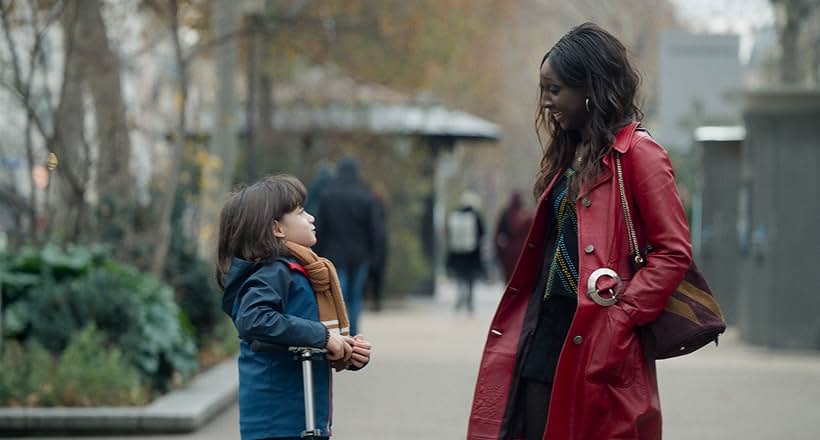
(274, 303)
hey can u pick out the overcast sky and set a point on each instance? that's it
(742, 17)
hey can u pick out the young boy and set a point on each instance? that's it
(270, 298)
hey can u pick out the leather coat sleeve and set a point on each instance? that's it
(260, 313)
(661, 222)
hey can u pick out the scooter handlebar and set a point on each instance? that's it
(265, 347)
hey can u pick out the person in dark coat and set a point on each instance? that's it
(375, 279)
(511, 233)
(350, 231)
(465, 231)
(325, 174)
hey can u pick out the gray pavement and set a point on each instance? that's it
(425, 360)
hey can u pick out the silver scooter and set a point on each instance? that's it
(306, 355)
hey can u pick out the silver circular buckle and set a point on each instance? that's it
(592, 287)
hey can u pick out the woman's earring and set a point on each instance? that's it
(586, 104)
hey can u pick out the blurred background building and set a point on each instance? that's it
(696, 73)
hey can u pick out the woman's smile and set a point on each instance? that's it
(557, 117)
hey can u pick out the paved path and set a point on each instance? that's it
(425, 361)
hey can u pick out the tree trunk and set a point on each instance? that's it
(815, 66)
(114, 183)
(223, 145)
(163, 241)
(254, 131)
(70, 182)
(790, 66)
(264, 107)
(793, 15)
(263, 99)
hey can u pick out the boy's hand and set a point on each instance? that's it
(338, 348)
(361, 351)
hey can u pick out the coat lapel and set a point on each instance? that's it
(623, 140)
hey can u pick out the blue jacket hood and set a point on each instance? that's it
(239, 272)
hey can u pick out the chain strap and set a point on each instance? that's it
(630, 227)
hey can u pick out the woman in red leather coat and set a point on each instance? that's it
(563, 360)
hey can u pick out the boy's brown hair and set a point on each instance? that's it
(246, 221)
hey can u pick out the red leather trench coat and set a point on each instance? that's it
(604, 387)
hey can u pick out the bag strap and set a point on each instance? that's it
(634, 249)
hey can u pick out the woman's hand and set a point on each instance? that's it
(361, 351)
(338, 348)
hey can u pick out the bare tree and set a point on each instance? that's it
(170, 11)
(73, 178)
(24, 65)
(115, 182)
(223, 139)
(90, 69)
(792, 15)
(21, 87)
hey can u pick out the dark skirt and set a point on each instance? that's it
(554, 318)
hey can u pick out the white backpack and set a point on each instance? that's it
(462, 227)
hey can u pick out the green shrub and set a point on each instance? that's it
(224, 343)
(226, 336)
(140, 316)
(50, 296)
(191, 277)
(89, 373)
(194, 288)
(27, 375)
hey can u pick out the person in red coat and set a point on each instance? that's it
(563, 359)
(511, 233)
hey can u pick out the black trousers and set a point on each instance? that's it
(465, 293)
(535, 402)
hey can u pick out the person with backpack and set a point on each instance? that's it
(465, 232)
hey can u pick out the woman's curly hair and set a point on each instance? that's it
(591, 58)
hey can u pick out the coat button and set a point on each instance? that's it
(577, 340)
(530, 245)
(589, 249)
(586, 202)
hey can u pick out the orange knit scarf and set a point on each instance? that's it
(325, 283)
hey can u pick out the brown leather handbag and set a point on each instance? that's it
(692, 317)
